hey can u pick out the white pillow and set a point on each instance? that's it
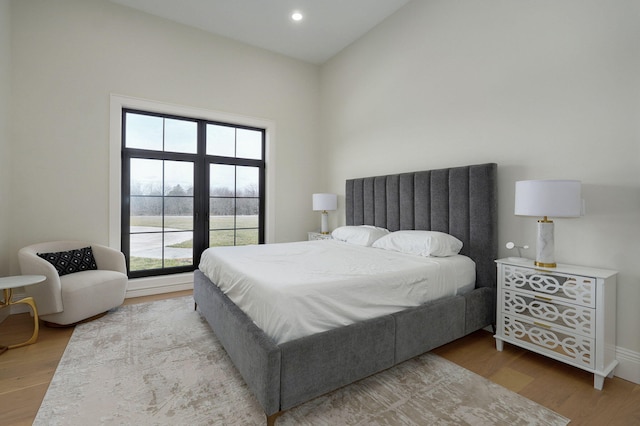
(422, 243)
(363, 235)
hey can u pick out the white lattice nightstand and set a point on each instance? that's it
(318, 236)
(567, 313)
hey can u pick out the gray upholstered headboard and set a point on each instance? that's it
(461, 201)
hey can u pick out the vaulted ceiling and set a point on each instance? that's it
(327, 26)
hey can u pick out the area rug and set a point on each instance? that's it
(159, 363)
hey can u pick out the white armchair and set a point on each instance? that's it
(71, 298)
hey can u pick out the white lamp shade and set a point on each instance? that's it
(553, 198)
(325, 202)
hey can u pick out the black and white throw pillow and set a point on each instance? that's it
(68, 262)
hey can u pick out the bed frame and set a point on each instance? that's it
(460, 201)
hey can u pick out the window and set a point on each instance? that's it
(188, 184)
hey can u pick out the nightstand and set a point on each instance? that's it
(318, 236)
(567, 313)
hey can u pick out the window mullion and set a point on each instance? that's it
(164, 144)
(200, 194)
(163, 209)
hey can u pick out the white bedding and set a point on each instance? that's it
(293, 290)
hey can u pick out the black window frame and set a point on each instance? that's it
(201, 192)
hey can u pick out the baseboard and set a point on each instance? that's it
(135, 288)
(628, 361)
(158, 285)
(628, 365)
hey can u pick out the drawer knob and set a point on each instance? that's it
(546, 299)
(539, 324)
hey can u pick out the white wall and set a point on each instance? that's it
(5, 141)
(546, 89)
(70, 55)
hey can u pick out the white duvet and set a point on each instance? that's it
(293, 290)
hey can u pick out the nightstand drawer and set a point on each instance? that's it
(569, 288)
(573, 318)
(545, 338)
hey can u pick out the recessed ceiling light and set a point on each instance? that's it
(296, 16)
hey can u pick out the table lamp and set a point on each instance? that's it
(547, 198)
(324, 203)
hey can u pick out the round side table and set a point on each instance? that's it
(7, 284)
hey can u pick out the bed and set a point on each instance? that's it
(460, 201)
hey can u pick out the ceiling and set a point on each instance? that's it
(328, 26)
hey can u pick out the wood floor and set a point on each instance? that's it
(25, 374)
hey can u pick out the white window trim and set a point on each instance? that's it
(165, 283)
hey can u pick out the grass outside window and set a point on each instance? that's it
(221, 233)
